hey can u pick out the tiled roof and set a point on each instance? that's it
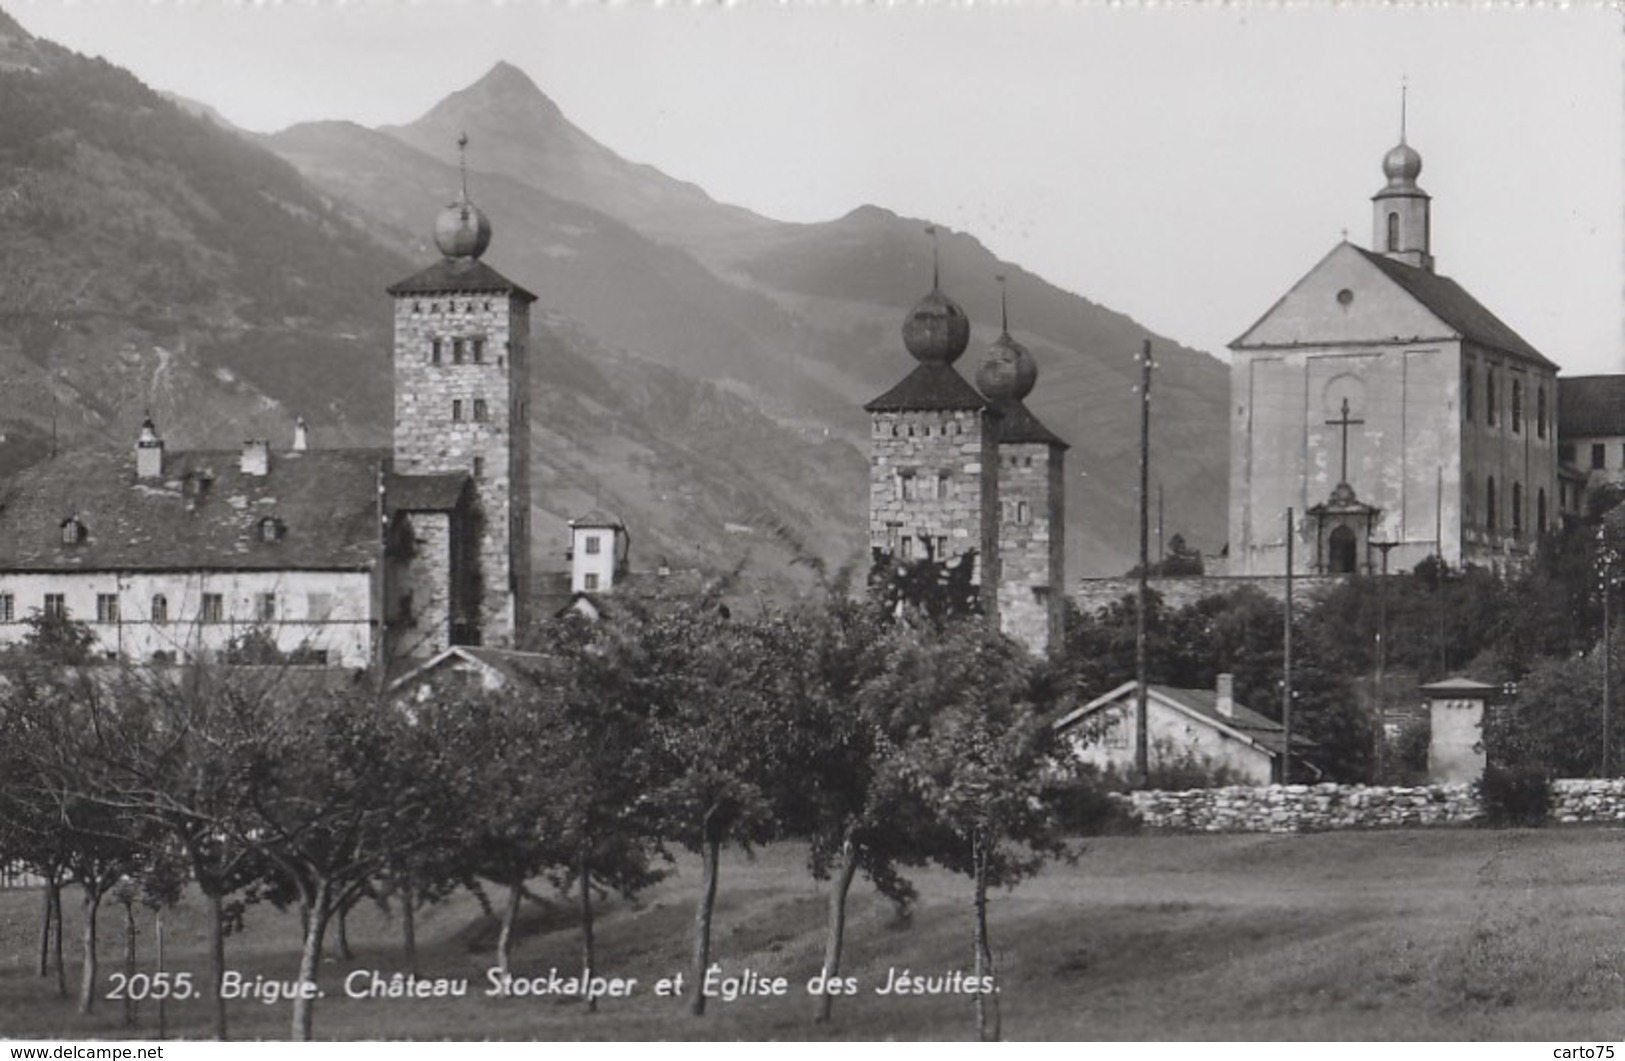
(1018, 424)
(597, 518)
(1590, 406)
(435, 492)
(1203, 703)
(1448, 301)
(458, 275)
(929, 386)
(325, 501)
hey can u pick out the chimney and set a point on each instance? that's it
(1224, 696)
(301, 436)
(256, 457)
(149, 452)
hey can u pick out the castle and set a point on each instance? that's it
(354, 557)
(962, 474)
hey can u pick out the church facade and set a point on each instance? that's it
(968, 475)
(353, 557)
(1393, 414)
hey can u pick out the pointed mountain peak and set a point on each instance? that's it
(507, 80)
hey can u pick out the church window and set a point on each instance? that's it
(434, 351)
(1540, 412)
(213, 610)
(160, 608)
(1344, 552)
(56, 606)
(457, 410)
(267, 608)
(1467, 393)
(482, 412)
(1489, 397)
(1517, 509)
(1344, 297)
(8, 608)
(1517, 406)
(1469, 498)
(1393, 231)
(1489, 503)
(1599, 456)
(1540, 511)
(107, 607)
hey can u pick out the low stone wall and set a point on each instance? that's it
(1095, 594)
(1588, 801)
(1308, 808)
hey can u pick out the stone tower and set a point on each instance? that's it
(1031, 492)
(933, 486)
(462, 374)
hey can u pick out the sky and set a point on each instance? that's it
(1182, 164)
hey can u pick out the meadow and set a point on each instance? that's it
(1438, 934)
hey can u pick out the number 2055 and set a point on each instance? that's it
(138, 986)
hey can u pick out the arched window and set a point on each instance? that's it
(1489, 503)
(1393, 231)
(160, 608)
(1517, 406)
(1540, 512)
(1489, 397)
(1540, 411)
(1469, 498)
(1467, 394)
(1343, 550)
(1517, 509)
(73, 532)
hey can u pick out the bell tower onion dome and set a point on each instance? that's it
(1401, 222)
(936, 331)
(462, 230)
(1009, 372)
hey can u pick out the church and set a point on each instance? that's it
(1390, 412)
(352, 557)
(962, 474)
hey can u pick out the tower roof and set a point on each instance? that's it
(459, 276)
(1018, 424)
(932, 385)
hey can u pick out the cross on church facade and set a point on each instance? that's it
(1345, 422)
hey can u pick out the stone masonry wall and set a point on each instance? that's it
(1094, 594)
(1317, 808)
(927, 483)
(1027, 579)
(439, 427)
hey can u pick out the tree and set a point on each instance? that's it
(989, 770)
(1554, 723)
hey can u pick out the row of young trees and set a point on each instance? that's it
(883, 737)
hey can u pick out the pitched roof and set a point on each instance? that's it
(456, 276)
(930, 386)
(1018, 424)
(1448, 301)
(1203, 704)
(1590, 406)
(597, 518)
(325, 500)
(432, 492)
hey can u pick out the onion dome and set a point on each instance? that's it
(936, 330)
(149, 433)
(1402, 164)
(462, 230)
(1009, 371)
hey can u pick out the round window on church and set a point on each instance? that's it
(1344, 297)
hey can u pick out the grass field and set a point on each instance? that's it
(1439, 934)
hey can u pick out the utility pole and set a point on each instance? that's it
(1286, 665)
(1161, 559)
(1142, 744)
(1381, 736)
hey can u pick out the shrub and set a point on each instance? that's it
(1514, 795)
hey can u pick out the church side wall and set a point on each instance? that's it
(1511, 451)
(327, 611)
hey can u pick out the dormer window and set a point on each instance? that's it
(270, 529)
(73, 531)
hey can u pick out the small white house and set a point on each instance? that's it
(599, 547)
(1206, 725)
